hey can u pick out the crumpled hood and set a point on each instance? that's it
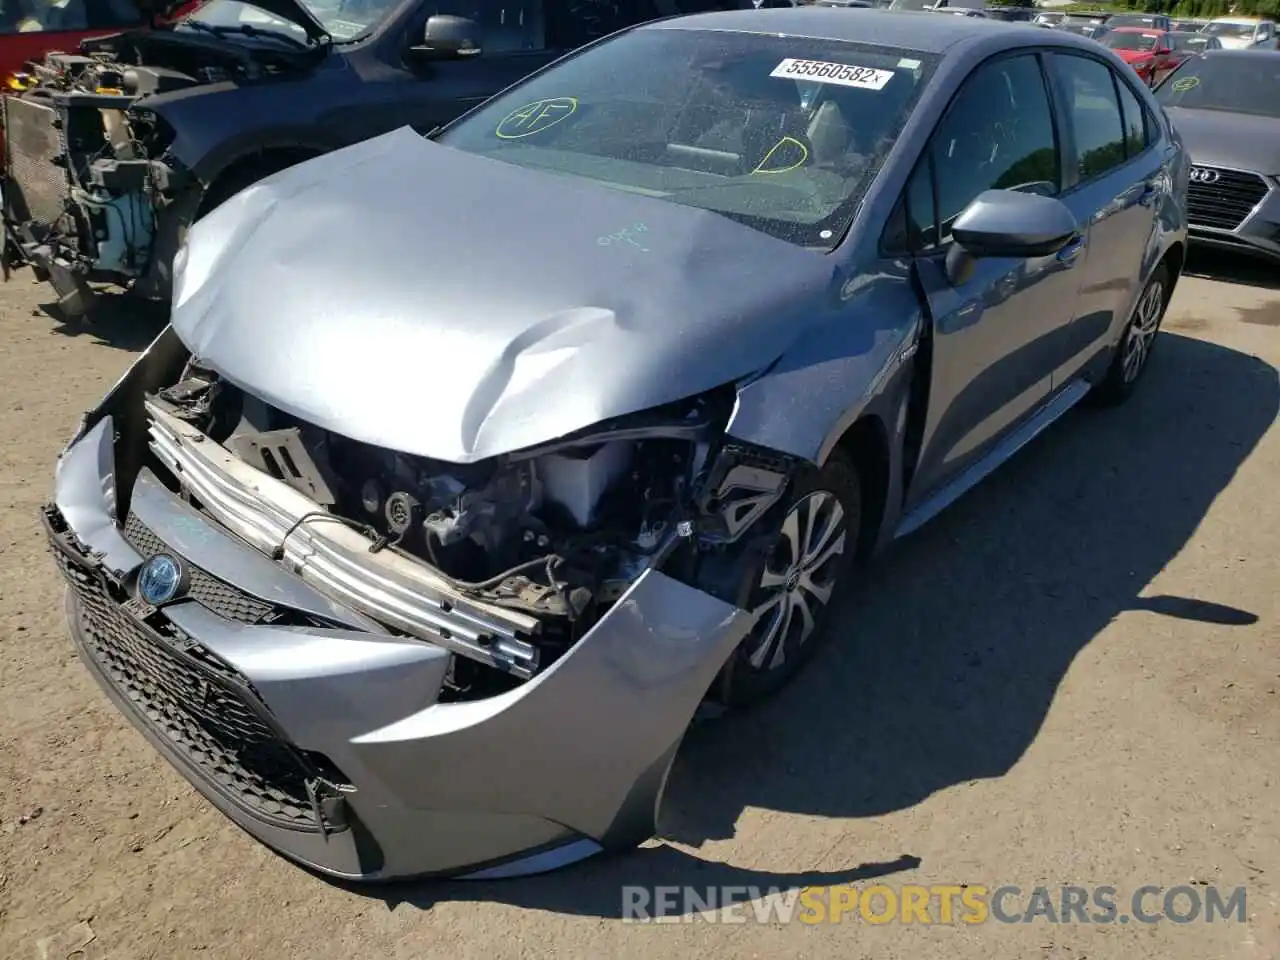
(1130, 56)
(418, 298)
(1241, 141)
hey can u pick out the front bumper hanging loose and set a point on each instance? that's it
(321, 732)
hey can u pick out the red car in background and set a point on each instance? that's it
(31, 28)
(1148, 51)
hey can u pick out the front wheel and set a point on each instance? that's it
(810, 562)
(1136, 342)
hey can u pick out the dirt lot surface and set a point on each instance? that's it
(1070, 678)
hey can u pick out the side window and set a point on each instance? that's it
(571, 25)
(506, 26)
(1136, 127)
(997, 134)
(1090, 92)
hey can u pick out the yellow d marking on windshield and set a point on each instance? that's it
(1183, 84)
(785, 141)
(535, 117)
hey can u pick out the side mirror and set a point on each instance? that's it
(447, 37)
(1008, 223)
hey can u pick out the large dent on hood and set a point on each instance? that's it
(414, 297)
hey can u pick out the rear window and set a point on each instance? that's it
(1131, 41)
(783, 134)
(1131, 20)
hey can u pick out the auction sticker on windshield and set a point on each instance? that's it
(846, 75)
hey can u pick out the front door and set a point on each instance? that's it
(997, 332)
(516, 37)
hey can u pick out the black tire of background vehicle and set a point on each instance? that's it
(1115, 388)
(741, 683)
(228, 185)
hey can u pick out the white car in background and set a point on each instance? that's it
(1241, 33)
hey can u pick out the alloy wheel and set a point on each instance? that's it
(1142, 331)
(798, 579)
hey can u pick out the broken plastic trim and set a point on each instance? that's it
(742, 486)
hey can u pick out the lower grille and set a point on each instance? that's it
(37, 185)
(205, 589)
(194, 701)
(1224, 203)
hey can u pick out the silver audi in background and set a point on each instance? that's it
(1226, 105)
(471, 465)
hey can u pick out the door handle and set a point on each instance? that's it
(1071, 252)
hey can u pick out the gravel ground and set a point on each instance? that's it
(1070, 678)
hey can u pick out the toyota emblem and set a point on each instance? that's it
(1204, 175)
(160, 580)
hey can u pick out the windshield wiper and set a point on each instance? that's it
(247, 30)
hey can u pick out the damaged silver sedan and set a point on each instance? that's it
(470, 466)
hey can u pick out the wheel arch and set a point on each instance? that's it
(866, 443)
(252, 166)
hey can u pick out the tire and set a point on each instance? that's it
(1136, 342)
(781, 641)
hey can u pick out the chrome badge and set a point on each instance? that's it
(159, 580)
(1204, 175)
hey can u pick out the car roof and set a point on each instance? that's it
(1240, 20)
(909, 30)
(1137, 30)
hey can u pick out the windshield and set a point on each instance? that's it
(783, 134)
(1131, 41)
(1239, 84)
(341, 19)
(1236, 30)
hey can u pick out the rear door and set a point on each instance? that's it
(996, 334)
(1114, 177)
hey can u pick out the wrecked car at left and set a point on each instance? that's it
(112, 152)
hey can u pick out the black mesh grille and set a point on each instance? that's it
(201, 706)
(37, 186)
(204, 588)
(1226, 202)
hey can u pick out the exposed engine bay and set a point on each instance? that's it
(88, 170)
(554, 534)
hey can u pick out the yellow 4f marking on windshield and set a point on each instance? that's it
(535, 117)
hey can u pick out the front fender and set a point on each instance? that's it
(841, 370)
(218, 124)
